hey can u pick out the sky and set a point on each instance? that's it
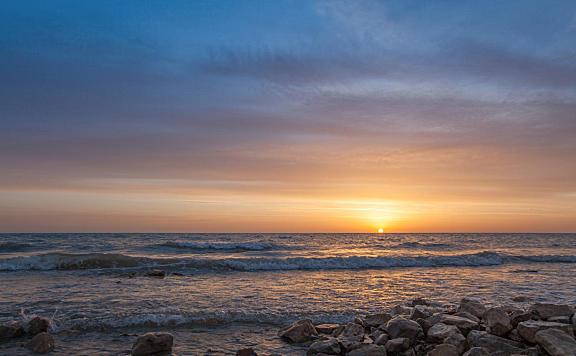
(288, 115)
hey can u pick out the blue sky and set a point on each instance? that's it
(109, 106)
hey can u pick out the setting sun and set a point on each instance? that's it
(380, 230)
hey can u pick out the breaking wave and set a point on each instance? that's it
(62, 261)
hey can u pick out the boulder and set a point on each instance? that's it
(498, 321)
(459, 341)
(400, 310)
(545, 310)
(11, 330)
(519, 316)
(477, 351)
(438, 332)
(327, 328)
(468, 316)
(465, 325)
(423, 312)
(444, 350)
(152, 343)
(419, 301)
(493, 343)
(528, 329)
(382, 339)
(368, 350)
(377, 319)
(299, 331)
(402, 327)
(41, 343)
(375, 333)
(157, 273)
(472, 306)
(556, 342)
(38, 325)
(246, 352)
(353, 331)
(398, 344)
(329, 346)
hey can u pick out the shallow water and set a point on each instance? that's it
(237, 289)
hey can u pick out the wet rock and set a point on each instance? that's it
(519, 316)
(246, 352)
(398, 344)
(419, 301)
(465, 325)
(444, 350)
(299, 331)
(402, 327)
(382, 339)
(368, 350)
(468, 316)
(327, 328)
(545, 311)
(152, 343)
(377, 319)
(41, 343)
(329, 346)
(38, 325)
(556, 342)
(11, 330)
(528, 329)
(472, 306)
(477, 351)
(422, 312)
(438, 332)
(498, 321)
(156, 273)
(457, 340)
(353, 331)
(493, 343)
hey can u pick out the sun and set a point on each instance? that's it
(380, 230)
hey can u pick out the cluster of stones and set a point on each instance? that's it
(422, 327)
(36, 329)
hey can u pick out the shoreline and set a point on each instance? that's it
(413, 328)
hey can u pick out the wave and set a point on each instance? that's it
(65, 261)
(14, 246)
(423, 246)
(219, 246)
(62, 261)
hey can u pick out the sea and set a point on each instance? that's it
(224, 292)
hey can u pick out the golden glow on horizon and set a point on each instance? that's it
(380, 230)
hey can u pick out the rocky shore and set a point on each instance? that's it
(417, 327)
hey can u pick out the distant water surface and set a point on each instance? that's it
(244, 286)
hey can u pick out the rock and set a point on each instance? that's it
(400, 310)
(459, 341)
(41, 343)
(519, 316)
(377, 319)
(472, 306)
(444, 350)
(560, 319)
(246, 352)
(156, 273)
(419, 301)
(556, 342)
(326, 328)
(493, 343)
(152, 343)
(521, 299)
(477, 351)
(528, 329)
(353, 332)
(382, 339)
(358, 321)
(545, 311)
(402, 327)
(328, 346)
(438, 332)
(398, 344)
(299, 331)
(38, 325)
(498, 321)
(468, 316)
(11, 330)
(465, 325)
(368, 350)
(422, 312)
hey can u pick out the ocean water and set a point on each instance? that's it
(231, 291)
